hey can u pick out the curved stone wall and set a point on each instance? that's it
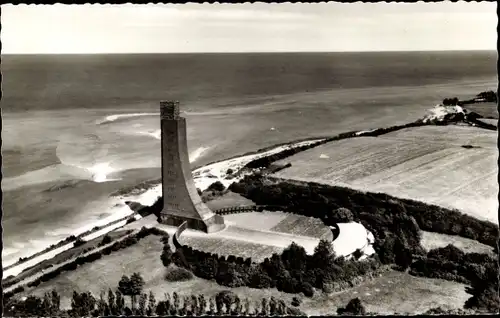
(175, 237)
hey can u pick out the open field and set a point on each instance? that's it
(392, 292)
(484, 109)
(452, 135)
(423, 163)
(229, 199)
(431, 240)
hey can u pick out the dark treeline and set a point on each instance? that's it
(292, 271)
(113, 303)
(484, 97)
(378, 212)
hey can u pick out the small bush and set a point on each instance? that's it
(105, 240)
(178, 274)
(296, 301)
(307, 289)
(216, 186)
(130, 220)
(78, 242)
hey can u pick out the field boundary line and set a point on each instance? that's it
(467, 184)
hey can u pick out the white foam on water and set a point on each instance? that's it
(114, 117)
(195, 155)
(156, 134)
(100, 171)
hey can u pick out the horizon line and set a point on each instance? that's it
(247, 52)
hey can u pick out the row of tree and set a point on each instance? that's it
(85, 304)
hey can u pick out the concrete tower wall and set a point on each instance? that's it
(181, 201)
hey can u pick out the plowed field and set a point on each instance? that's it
(426, 163)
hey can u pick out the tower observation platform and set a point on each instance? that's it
(181, 201)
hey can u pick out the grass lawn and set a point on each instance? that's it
(265, 220)
(393, 292)
(432, 240)
(229, 199)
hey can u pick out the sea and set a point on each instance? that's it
(80, 133)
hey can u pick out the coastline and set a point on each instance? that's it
(203, 177)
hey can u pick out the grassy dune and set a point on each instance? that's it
(427, 164)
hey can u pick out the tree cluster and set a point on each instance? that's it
(354, 307)
(488, 96)
(113, 304)
(213, 191)
(478, 270)
(451, 101)
(178, 274)
(48, 305)
(131, 287)
(292, 271)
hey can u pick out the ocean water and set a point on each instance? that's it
(77, 129)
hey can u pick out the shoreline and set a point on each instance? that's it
(204, 175)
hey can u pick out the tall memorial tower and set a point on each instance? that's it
(181, 201)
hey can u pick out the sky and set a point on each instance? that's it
(252, 27)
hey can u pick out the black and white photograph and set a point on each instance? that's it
(252, 159)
